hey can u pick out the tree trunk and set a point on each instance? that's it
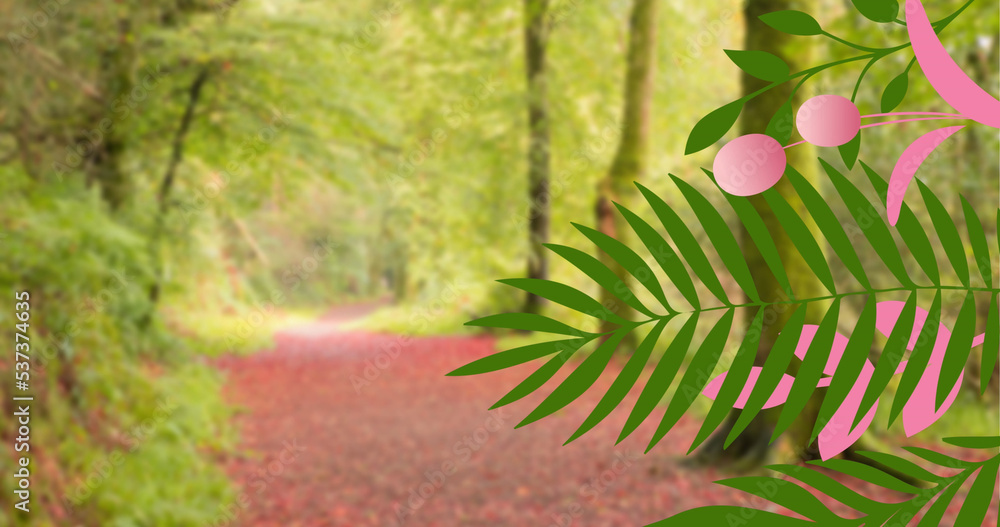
(104, 165)
(971, 164)
(631, 158)
(752, 448)
(535, 40)
(166, 185)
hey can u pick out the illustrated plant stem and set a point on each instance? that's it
(850, 44)
(839, 295)
(942, 118)
(895, 114)
(857, 85)
(948, 19)
(874, 56)
(907, 121)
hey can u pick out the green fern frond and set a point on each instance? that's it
(939, 491)
(680, 256)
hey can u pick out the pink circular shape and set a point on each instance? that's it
(749, 165)
(828, 120)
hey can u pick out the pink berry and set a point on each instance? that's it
(828, 120)
(749, 164)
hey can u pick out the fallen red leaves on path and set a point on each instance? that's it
(346, 428)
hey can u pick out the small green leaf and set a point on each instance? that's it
(959, 349)
(919, 358)
(695, 376)
(629, 260)
(810, 371)
(892, 355)
(598, 272)
(983, 443)
(938, 458)
(712, 127)
(895, 91)
(687, 244)
(736, 378)
(623, 383)
(760, 236)
(526, 322)
(991, 346)
(868, 474)
(760, 64)
(721, 237)
(872, 225)
(851, 365)
(909, 509)
(849, 151)
(792, 22)
(579, 381)
(936, 512)
(661, 378)
(664, 255)
(536, 379)
(828, 223)
(566, 296)
(778, 360)
(782, 124)
(881, 11)
(513, 357)
(910, 230)
(832, 488)
(902, 466)
(977, 238)
(785, 494)
(977, 502)
(801, 237)
(947, 233)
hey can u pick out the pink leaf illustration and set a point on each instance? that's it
(779, 396)
(837, 436)
(907, 166)
(954, 86)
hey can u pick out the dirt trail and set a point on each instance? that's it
(347, 428)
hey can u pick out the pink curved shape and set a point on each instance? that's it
(836, 352)
(919, 411)
(837, 436)
(954, 86)
(779, 396)
(907, 166)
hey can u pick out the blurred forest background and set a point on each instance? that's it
(179, 178)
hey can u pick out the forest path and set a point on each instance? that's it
(349, 428)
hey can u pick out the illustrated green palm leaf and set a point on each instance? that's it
(679, 256)
(928, 502)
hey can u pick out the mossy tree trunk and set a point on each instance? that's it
(535, 40)
(752, 448)
(631, 158)
(973, 160)
(104, 164)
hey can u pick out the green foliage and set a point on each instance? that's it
(882, 11)
(792, 22)
(779, 127)
(111, 393)
(760, 64)
(895, 91)
(849, 151)
(938, 493)
(713, 126)
(867, 223)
